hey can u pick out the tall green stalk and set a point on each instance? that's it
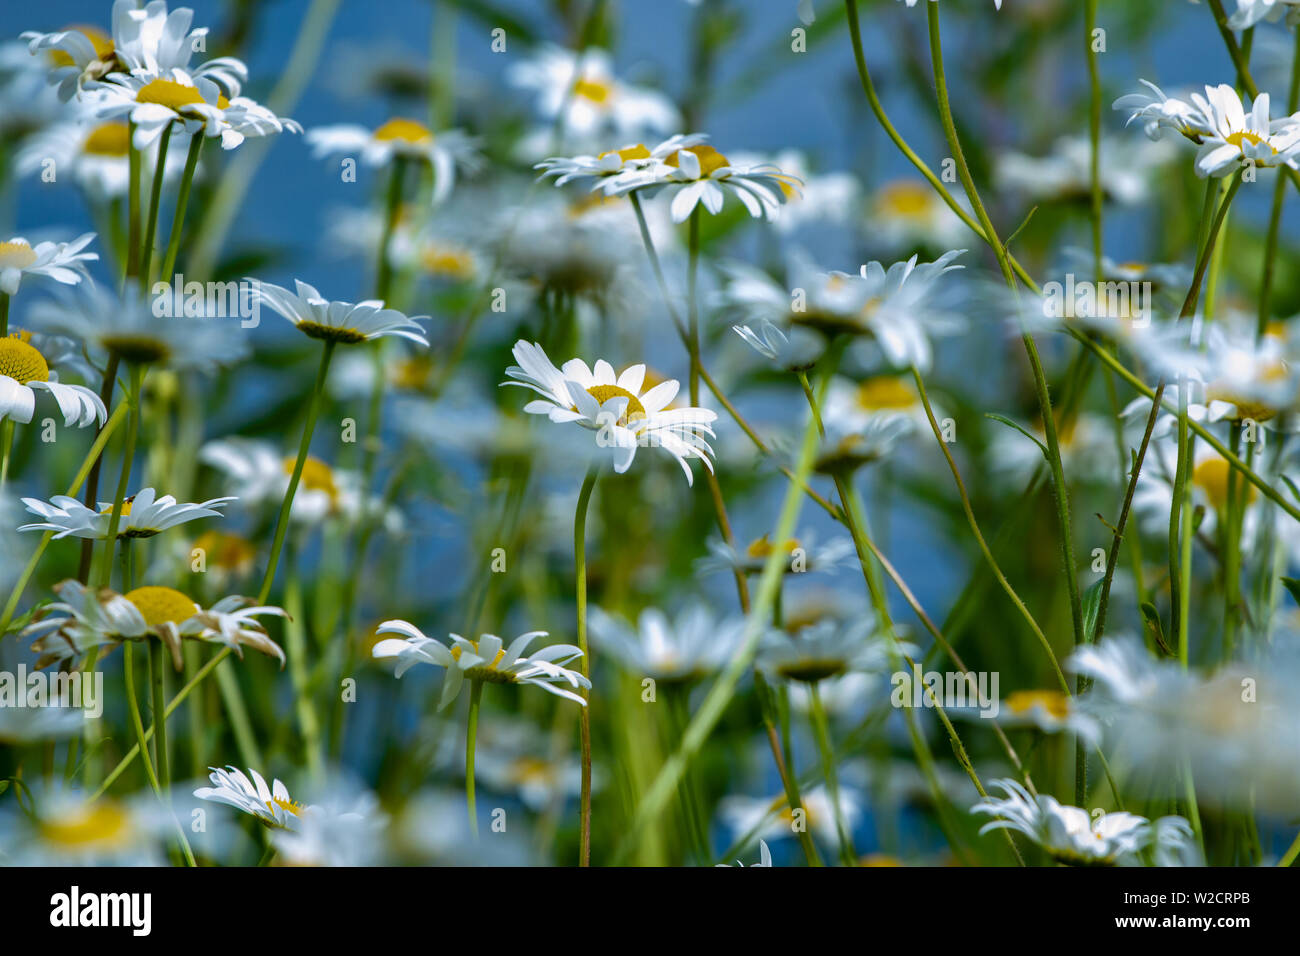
(584, 718)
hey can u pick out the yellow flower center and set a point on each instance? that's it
(597, 91)
(885, 392)
(627, 153)
(175, 96)
(290, 806)
(1211, 476)
(1241, 137)
(529, 770)
(227, 551)
(21, 361)
(316, 475)
(100, 40)
(762, 548)
(159, 606)
(710, 159)
(603, 393)
(126, 507)
(103, 822)
(406, 130)
(907, 199)
(447, 261)
(108, 139)
(16, 254)
(501, 654)
(1052, 701)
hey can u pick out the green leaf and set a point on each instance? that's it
(1091, 605)
(1293, 585)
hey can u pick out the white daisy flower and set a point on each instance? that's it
(604, 168)
(700, 175)
(94, 155)
(346, 323)
(996, 3)
(1239, 134)
(271, 805)
(691, 645)
(23, 370)
(85, 618)
(1158, 112)
(1251, 12)
(62, 827)
(806, 554)
(446, 151)
(143, 515)
(614, 406)
(146, 41)
(25, 725)
(827, 649)
(195, 102)
(347, 829)
(1072, 836)
(127, 327)
(764, 857)
(483, 660)
(906, 214)
(1128, 170)
(61, 261)
(595, 103)
(822, 198)
(743, 814)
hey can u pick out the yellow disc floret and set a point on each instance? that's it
(108, 139)
(404, 130)
(316, 476)
(20, 360)
(595, 91)
(1053, 701)
(16, 254)
(101, 41)
(603, 393)
(169, 93)
(103, 823)
(159, 606)
(885, 392)
(710, 159)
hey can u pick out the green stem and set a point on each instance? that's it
(1289, 857)
(157, 696)
(6, 450)
(716, 701)
(821, 727)
(584, 718)
(1094, 135)
(4, 314)
(91, 499)
(132, 205)
(155, 195)
(133, 707)
(471, 736)
(137, 374)
(282, 522)
(182, 200)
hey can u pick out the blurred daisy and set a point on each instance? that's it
(62, 827)
(806, 553)
(483, 660)
(143, 515)
(446, 151)
(1251, 12)
(603, 169)
(347, 829)
(826, 649)
(1158, 112)
(614, 406)
(820, 199)
(905, 214)
(594, 102)
(1128, 170)
(1072, 836)
(95, 156)
(691, 645)
(26, 725)
(911, 3)
(127, 327)
(271, 805)
(700, 175)
(1051, 711)
(85, 618)
(342, 322)
(773, 820)
(508, 761)
(24, 370)
(61, 261)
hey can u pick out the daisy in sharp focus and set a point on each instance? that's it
(143, 515)
(61, 261)
(1072, 836)
(614, 406)
(146, 41)
(486, 659)
(195, 102)
(701, 176)
(604, 168)
(345, 323)
(84, 618)
(271, 805)
(24, 370)
(445, 151)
